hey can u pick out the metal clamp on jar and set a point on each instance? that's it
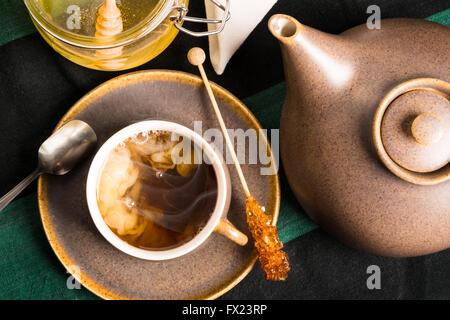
(181, 17)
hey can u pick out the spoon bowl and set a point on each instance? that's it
(66, 147)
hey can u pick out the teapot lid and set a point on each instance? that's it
(412, 131)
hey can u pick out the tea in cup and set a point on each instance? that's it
(157, 190)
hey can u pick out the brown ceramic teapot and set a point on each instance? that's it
(365, 132)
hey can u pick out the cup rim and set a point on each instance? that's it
(99, 161)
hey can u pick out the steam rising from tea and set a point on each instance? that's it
(153, 194)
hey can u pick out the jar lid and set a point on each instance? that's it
(412, 131)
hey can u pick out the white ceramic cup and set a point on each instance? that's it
(217, 221)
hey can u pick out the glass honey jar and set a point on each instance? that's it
(147, 28)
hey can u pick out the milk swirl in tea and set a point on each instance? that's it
(154, 193)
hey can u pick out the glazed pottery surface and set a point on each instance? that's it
(361, 112)
(207, 272)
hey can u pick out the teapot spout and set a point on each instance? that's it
(284, 27)
(310, 55)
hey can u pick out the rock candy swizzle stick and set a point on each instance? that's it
(274, 261)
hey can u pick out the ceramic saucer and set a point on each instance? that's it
(206, 273)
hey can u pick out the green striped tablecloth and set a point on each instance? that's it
(14, 21)
(28, 267)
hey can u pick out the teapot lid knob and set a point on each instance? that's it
(410, 131)
(427, 129)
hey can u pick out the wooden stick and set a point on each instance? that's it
(109, 21)
(196, 57)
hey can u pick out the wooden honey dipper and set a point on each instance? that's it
(274, 261)
(109, 23)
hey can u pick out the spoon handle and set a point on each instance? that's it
(7, 198)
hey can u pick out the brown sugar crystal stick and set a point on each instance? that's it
(109, 23)
(274, 261)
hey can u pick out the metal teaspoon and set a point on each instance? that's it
(58, 154)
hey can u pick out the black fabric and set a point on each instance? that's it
(37, 86)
